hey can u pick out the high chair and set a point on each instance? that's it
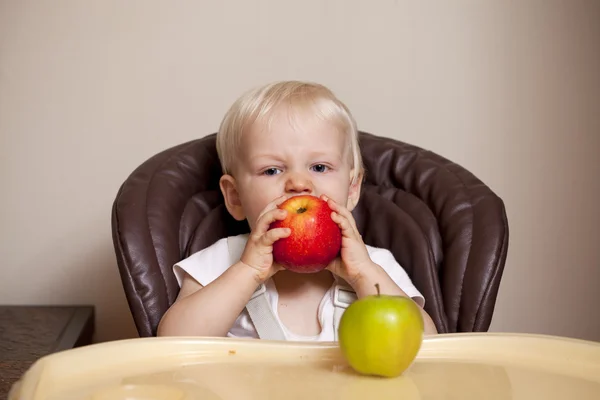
(445, 227)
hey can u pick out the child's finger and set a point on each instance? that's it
(272, 205)
(274, 215)
(274, 235)
(263, 222)
(343, 211)
(345, 226)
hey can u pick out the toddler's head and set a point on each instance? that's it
(287, 138)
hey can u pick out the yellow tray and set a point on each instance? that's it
(454, 366)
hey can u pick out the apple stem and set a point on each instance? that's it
(377, 287)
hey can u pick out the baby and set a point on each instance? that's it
(277, 141)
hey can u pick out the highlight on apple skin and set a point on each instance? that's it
(315, 240)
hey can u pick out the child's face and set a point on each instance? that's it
(306, 156)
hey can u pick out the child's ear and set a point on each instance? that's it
(355, 187)
(232, 197)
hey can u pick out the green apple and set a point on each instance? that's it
(381, 334)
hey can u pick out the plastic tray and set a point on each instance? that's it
(454, 366)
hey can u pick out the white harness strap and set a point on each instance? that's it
(343, 296)
(258, 306)
(262, 315)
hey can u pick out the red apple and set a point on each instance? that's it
(315, 240)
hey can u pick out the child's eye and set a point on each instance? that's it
(271, 171)
(320, 168)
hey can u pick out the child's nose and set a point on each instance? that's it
(298, 183)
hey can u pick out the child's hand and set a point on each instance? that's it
(354, 255)
(258, 253)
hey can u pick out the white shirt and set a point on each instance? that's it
(208, 264)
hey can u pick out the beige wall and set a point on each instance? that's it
(510, 90)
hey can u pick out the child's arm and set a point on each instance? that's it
(210, 310)
(357, 268)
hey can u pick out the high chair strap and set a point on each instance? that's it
(260, 311)
(262, 315)
(343, 296)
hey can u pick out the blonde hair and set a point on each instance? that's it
(259, 103)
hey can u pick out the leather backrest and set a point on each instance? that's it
(444, 226)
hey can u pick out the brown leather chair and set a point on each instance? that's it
(444, 226)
